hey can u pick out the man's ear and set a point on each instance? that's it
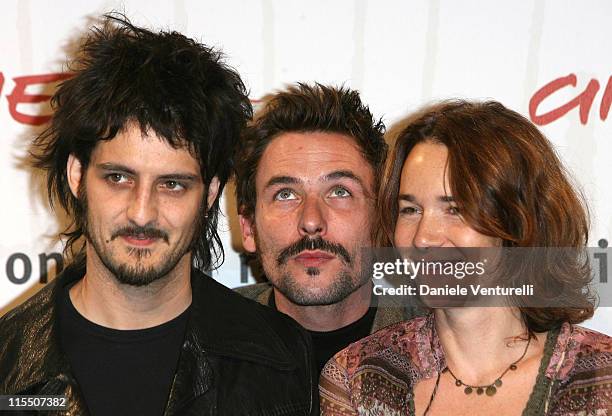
(247, 228)
(213, 191)
(74, 172)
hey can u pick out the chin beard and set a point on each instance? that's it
(139, 276)
(340, 289)
(136, 274)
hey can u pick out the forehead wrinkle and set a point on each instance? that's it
(314, 157)
(329, 146)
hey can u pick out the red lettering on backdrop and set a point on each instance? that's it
(604, 107)
(19, 96)
(584, 100)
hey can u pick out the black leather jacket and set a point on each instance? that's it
(238, 357)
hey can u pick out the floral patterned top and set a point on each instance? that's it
(375, 375)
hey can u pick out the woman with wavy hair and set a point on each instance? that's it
(472, 174)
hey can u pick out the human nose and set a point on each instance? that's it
(142, 209)
(312, 218)
(429, 233)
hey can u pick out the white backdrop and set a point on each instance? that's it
(399, 54)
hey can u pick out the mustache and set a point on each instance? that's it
(136, 231)
(312, 244)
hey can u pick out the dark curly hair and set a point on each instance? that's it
(508, 183)
(306, 108)
(163, 82)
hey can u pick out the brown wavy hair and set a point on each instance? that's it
(508, 183)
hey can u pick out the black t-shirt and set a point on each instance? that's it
(326, 344)
(121, 372)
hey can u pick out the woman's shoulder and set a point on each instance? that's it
(580, 349)
(398, 342)
(581, 367)
(591, 341)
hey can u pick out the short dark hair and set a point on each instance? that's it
(306, 108)
(508, 183)
(164, 82)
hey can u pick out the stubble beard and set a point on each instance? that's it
(345, 282)
(137, 274)
(341, 287)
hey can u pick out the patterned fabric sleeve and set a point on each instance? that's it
(334, 389)
(585, 382)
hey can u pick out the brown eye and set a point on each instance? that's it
(174, 186)
(116, 178)
(408, 211)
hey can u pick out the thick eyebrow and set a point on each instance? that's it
(406, 197)
(116, 167)
(180, 177)
(411, 198)
(335, 175)
(342, 174)
(281, 180)
(446, 198)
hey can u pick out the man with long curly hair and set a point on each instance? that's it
(138, 152)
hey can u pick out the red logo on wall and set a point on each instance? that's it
(583, 100)
(19, 96)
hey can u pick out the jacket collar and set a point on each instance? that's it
(394, 311)
(48, 368)
(221, 323)
(227, 324)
